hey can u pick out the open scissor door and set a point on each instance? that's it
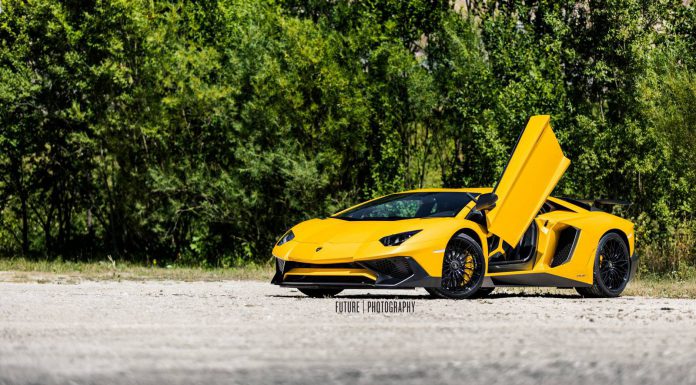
(534, 168)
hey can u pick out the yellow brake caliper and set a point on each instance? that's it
(468, 267)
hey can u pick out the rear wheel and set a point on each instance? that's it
(611, 268)
(462, 269)
(319, 293)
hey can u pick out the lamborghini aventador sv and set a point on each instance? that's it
(463, 243)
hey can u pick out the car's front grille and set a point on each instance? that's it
(286, 266)
(388, 268)
(324, 265)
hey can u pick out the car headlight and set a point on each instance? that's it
(397, 239)
(289, 236)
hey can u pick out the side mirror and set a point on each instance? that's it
(486, 202)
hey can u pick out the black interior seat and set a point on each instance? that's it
(527, 246)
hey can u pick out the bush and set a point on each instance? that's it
(198, 133)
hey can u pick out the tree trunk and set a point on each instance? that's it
(25, 224)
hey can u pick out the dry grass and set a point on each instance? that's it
(667, 288)
(652, 287)
(22, 270)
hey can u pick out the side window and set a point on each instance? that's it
(545, 208)
(549, 206)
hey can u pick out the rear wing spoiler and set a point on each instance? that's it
(596, 204)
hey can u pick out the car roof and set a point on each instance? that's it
(474, 190)
(483, 190)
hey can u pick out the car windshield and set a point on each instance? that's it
(408, 206)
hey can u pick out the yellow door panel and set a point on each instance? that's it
(536, 165)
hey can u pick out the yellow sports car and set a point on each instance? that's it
(462, 243)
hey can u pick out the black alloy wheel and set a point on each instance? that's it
(611, 269)
(463, 269)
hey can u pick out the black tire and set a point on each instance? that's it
(319, 293)
(612, 268)
(463, 268)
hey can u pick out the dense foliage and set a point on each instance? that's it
(198, 132)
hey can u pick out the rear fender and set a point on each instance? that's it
(592, 228)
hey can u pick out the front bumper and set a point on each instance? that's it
(387, 273)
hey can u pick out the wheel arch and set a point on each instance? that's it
(599, 288)
(595, 225)
(621, 234)
(475, 235)
(479, 237)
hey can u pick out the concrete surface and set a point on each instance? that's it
(255, 333)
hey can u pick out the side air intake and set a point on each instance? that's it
(567, 240)
(396, 267)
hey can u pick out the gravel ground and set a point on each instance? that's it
(255, 333)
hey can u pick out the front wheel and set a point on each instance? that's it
(611, 268)
(320, 293)
(463, 268)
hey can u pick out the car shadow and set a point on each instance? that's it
(357, 296)
(419, 296)
(531, 295)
